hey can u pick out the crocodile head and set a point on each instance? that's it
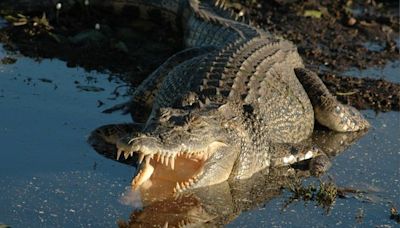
(188, 149)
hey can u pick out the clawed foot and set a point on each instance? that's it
(340, 117)
(327, 109)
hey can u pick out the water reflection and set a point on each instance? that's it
(156, 204)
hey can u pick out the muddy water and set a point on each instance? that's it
(49, 176)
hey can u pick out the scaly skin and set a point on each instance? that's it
(234, 106)
(236, 101)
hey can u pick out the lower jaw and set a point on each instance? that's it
(161, 179)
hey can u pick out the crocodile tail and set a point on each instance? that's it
(224, 9)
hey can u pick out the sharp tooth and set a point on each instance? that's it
(158, 157)
(183, 186)
(187, 184)
(178, 187)
(126, 155)
(162, 158)
(119, 152)
(148, 160)
(173, 163)
(141, 157)
(143, 175)
(166, 225)
(191, 181)
(166, 160)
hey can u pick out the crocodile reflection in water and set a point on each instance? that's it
(217, 204)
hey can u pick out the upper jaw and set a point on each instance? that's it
(152, 154)
(146, 146)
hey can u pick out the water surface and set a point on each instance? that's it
(50, 176)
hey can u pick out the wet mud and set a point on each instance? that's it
(332, 37)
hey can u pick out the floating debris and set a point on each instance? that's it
(45, 80)
(394, 214)
(326, 195)
(89, 88)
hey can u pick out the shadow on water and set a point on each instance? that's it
(49, 175)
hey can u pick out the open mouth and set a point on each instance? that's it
(182, 169)
(179, 169)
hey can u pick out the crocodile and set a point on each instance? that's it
(217, 205)
(235, 101)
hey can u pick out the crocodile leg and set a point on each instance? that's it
(141, 103)
(317, 162)
(318, 149)
(288, 154)
(327, 110)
